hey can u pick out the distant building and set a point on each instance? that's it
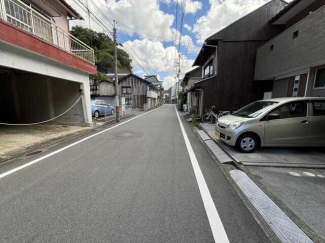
(153, 79)
(188, 84)
(138, 92)
(167, 96)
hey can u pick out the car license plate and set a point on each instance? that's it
(218, 134)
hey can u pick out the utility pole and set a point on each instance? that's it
(117, 108)
(89, 27)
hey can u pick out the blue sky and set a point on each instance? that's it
(147, 29)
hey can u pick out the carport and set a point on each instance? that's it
(33, 98)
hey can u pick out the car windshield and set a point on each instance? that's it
(255, 109)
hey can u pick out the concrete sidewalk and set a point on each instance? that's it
(19, 140)
(298, 190)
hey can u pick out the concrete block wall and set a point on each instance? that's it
(289, 55)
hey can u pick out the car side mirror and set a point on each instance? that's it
(272, 117)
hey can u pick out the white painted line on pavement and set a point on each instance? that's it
(69, 146)
(218, 231)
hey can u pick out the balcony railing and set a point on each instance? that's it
(25, 17)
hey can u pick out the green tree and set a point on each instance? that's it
(104, 49)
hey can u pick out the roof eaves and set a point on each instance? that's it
(284, 10)
(71, 10)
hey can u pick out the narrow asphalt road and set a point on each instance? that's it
(132, 183)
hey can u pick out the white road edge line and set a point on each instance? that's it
(218, 231)
(69, 146)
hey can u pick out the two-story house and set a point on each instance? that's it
(295, 59)
(188, 83)
(138, 92)
(227, 60)
(153, 79)
(44, 69)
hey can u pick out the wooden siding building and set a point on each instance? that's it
(138, 92)
(228, 58)
(134, 90)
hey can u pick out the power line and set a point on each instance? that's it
(143, 33)
(126, 26)
(98, 21)
(102, 12)
(130, 50)
(103, 26)
(192, 28)
(181, 27)
(176, 27)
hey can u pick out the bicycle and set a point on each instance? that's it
(211, 116)
(192, 112)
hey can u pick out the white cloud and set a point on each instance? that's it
(187, 41)
(190, 7)
(152, 55)
(221, 14)
(186, 26)
(169, 81)
(144, 16)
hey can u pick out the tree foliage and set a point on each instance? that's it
(104, 49)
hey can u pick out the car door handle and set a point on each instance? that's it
(304, 122)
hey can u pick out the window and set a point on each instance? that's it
(291, 110)
(126, 90)
(320, 78)
(208, 69)
(296, 86)
(319, 108)
(126, 93)
(295, 34)
(254, 109)
(271, 47)
(128, 99)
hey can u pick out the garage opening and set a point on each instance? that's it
(31, 98)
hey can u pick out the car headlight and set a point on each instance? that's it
(235, 125)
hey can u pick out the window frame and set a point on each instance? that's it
(314, 87)
(127, 88)
(206, 64)
(307, 110)
(313, 107)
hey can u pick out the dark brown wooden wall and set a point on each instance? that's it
(234, 86)
(253, 26)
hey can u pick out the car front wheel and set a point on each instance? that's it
(96, 114)
(247, 143)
